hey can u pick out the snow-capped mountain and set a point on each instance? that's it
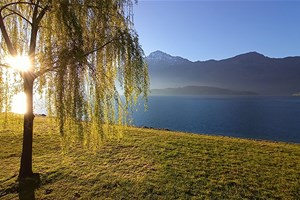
(159, 56)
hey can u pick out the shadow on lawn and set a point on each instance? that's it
(28, 186)
(24, 187)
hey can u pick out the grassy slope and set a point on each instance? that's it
(152, 164)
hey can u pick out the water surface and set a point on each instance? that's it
(257, 117)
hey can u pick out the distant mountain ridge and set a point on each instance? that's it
(198, 90)
(245, 72)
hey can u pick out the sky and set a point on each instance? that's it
(203, 30)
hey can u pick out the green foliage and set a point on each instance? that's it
(81, 49)
(153, 164)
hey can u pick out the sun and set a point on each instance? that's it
(19, 103)
(20, 62)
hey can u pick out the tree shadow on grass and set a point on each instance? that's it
(27, 187)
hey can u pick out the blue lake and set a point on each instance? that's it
(257, 117)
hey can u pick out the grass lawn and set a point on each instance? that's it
(152, 164)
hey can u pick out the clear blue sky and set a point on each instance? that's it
(202, 30)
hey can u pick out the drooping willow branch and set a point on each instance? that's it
(13, 12)
(53, 68)
(37, 17)
(18, 3)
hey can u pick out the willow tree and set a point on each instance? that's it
(78, 51)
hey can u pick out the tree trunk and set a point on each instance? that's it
(26, 158)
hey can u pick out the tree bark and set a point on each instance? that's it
(26, 158)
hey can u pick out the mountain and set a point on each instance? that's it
(246, 72)
(198, 90)
(160, 57)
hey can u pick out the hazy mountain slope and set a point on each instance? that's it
(251, 71)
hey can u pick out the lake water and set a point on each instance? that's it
(257, 117)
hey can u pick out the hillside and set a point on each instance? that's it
(151, 164)
(199, 90)
(247, 72)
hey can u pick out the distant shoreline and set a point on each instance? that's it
(199, 90)
(216, 135)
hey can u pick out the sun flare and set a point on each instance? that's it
(19, 103)
(20, 62)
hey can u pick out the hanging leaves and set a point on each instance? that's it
(82, 48)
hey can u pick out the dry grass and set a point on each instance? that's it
(152, 164)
